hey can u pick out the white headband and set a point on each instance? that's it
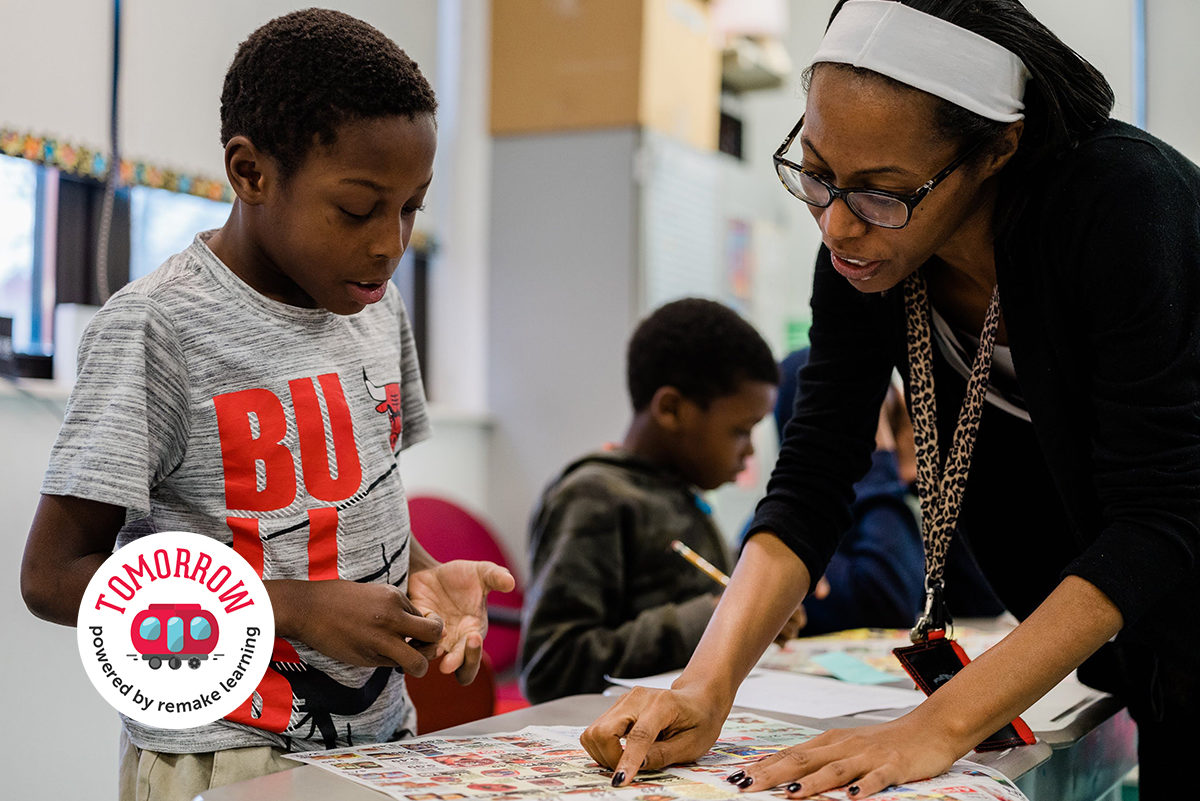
(928, 53)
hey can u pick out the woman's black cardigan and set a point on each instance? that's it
(1099, 279)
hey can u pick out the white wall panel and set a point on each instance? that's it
(175, 54)
(56, 65)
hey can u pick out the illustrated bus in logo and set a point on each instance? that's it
(174, 633)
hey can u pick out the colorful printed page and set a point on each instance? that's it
(547, 762)
(871, 647)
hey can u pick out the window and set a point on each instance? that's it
(163, 223)
(201, 629)
(150, 629)
(412, 279)
(49, 237)
(26, 290)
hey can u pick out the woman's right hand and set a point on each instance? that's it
(658, 727)
(665, 727)
(359, 624)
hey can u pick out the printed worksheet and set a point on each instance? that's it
(547, 762)
(871, 647)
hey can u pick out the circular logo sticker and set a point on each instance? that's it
(175, 630)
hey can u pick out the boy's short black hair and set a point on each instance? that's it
(300, 76)
(702, 348)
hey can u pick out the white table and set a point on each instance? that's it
(1083, 760)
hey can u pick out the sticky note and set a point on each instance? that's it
(851, 669)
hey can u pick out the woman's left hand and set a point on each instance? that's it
(865, 760)
(1075, 620)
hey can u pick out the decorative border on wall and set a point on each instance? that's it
(88, 163)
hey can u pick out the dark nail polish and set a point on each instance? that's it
(618, 777)
(794, 787)
(853, 789)
(746, 782)
(734, 778)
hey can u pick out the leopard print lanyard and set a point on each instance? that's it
(941, 499)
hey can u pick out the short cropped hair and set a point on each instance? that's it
(701, 348)
(296, 79)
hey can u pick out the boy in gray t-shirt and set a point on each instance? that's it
(258, 388)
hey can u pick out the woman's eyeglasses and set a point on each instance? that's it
(874, 206)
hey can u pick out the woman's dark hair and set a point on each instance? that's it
(300, 76)
(1065, 97)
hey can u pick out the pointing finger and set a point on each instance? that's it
(640, 738)
(602, 740)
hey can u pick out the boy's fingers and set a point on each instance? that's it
(497, 579)
(407, 658)
(429, 650)
(454, 658)
(472, 655)
(416, 625)
(792, 628)
(405, 602)
(421, 628)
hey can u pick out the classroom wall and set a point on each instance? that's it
(449, 464)
(174, 54)
(1173, 63)
(459, 209)
(562, 300)
(60, 738)
(48, 94)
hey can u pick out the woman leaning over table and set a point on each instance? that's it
(981, 217)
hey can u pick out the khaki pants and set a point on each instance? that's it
(153, 776)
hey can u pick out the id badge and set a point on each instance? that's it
(934, 662)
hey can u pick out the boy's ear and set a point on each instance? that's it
(666, 408)
(248, 170)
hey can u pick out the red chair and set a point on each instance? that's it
(448, 532)
(442, 702)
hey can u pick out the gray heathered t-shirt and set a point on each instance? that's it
(188, 379)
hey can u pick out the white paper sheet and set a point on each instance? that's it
(1053, 712)
(799, 694)
(1057, 708)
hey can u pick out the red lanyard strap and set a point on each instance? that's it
(941, 498)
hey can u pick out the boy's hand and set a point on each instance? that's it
(359, 624)
(799, 619)
(457, 593)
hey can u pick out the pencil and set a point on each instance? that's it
(703, 565)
